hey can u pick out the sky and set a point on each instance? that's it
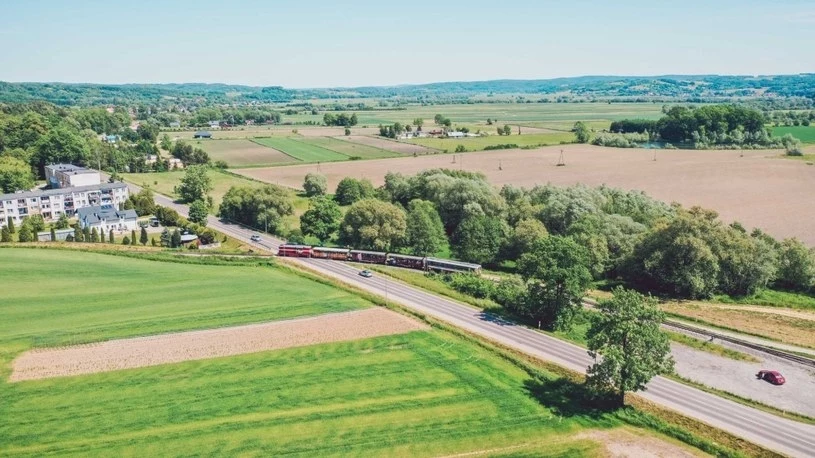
(317, 43)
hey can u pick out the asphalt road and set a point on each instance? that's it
(779, 434)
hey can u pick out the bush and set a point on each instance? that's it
(473, 285)
(501, 146)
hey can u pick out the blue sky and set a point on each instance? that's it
(316, 43)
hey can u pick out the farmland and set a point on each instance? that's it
(479, 143)
(349, 148)
(752, 189)
(242, 153)
(804, 133)
(300, 150)
(420, 394)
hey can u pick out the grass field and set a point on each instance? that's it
(301, 150)
(417, 394)
(804, 133)
(479, 143)
(242, 153)
(348, 148)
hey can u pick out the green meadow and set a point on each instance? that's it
(301, 150)
(804, 133)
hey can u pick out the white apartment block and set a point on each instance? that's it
(69, 176)
(52, 203)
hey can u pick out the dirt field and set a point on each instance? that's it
(241, 152)
(759, 189)
(185, 346)
(390, 145)
(622, 442)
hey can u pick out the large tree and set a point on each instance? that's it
(15, 175)
(350, 190)
(262, 207)
(557, 276)
(425, 231)
(315, 184)
(796, 268)
(195, 184)
(322, 219)
(373, 224)
(199, 210)
(627, 344)
(581, 132)
(479, 238)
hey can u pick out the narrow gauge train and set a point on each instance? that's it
(376, 257)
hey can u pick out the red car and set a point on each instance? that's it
(773, 377)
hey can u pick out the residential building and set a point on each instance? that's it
(53, 203)
(69, 175)
(175, 124)
(215, 124)
(107, 217)
(202, 134)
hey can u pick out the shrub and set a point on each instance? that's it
(478, 287)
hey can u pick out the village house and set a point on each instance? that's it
(106, 217)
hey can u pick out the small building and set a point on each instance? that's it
(187, 238)
(69, 175)
(215, 124)
(453, 134)
(175, 124)
(202, 134)
(174, 163)
(112, 139)
(107, 217)
(62, 235)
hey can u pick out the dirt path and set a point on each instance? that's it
(185, 346)
(765, 309)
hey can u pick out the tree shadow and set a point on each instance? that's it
(567, 398)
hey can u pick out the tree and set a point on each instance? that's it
(143, 236)
(373, 225)
(418, 122)
(626, 335)
(5, 235)
(133, 237)
(479, 238)
(796, 267)
(25, 234)
(126, 240)
(524, 236)
(581, 132)
(507, 129)
(347, 132)
(557, 276)
(195, 184)
(198, 212)
(10, 225)
(78, 235)
(53, 234)
(166, 143)
(350, 190)
(257, 207)
(86, 234)
(15, 175)
(94, 236)
(142, 202)
(315, 184)
(166, 238)
(111, 239)
(175, 240)
(424, 231)
(322, 219)
(62, 222)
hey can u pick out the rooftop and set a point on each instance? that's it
(69, 169)
(92, 215)
(60, 191)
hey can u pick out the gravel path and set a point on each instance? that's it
(185, 346)
(739, 377)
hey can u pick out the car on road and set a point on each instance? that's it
(366, 273)
(255, 238)
(773, 377)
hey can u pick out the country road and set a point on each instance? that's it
(776, 433)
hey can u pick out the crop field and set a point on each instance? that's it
(301, 150)
(390, 145)
(479, 143)
(804, 133)
(244, 132)
(242, 153)
(348, 148)
(753, 189)
(424, 393)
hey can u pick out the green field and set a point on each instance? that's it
(479, 143)
(804, 133)
(242, 153)
(348, 148)
(301, 150)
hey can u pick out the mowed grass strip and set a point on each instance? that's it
(243, 153)
(479, 143)
(300, 149)
(92, 297)
(349, 148)
(419, 394)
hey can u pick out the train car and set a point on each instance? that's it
(294, 251)
(373, 257)
(337, 254)
(403, 260)
(446, 265)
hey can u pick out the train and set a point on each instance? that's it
(376, 257)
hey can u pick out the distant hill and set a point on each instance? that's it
(677, 87)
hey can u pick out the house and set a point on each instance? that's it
(69, 175)
(112, 139)
(175, 163)
(215, 124)
(453, 134)
(106, 217)
(175, 124)
(202, 134)
(53, 203)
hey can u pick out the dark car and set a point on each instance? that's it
(366, 274)
(773, 377)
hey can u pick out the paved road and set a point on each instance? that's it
(782, 435)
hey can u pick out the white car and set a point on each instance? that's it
(255, 238)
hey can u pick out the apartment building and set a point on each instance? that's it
(52, 203)
(70, 176)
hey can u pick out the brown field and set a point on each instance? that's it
(267, 131)
(186, 346)
(390, 145)
(241, 152)
(793, 329)
(759, 189)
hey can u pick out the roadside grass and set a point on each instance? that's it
(301, 150)
(479, 143)
(804, 133)
(349, 149)
(709, 347)
(771, 298)
(243, 153)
